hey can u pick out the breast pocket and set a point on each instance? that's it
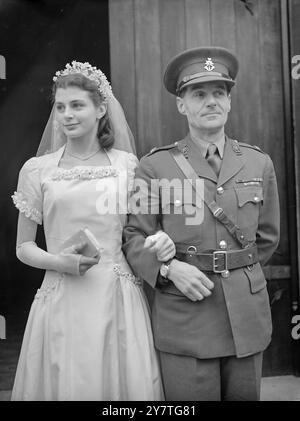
(182, 214)
(249, 200)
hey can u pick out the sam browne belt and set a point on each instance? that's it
(208, 199)
(217, 261)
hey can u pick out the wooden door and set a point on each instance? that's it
(145, 34)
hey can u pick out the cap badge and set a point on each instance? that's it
(209, 65)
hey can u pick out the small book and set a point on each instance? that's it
(84, 235)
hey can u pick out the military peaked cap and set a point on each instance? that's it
(198, 65)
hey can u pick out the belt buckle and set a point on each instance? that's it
(218, 212)
(191, 250)
(216, 258)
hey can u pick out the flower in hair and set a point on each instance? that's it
(91, 72)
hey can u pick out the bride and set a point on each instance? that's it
(88, 334)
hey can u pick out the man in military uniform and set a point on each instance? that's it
(211, 315)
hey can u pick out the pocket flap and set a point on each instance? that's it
(256, 277)
(252, 194)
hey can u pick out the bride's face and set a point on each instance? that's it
(76, 111)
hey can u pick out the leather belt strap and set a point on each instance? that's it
(219, 260)
(209, 200)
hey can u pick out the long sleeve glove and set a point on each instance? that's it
(65, 262)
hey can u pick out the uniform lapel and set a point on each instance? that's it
(232, 161)
(195, 158)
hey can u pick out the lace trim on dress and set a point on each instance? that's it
(85, 173)
(44, 292)
(21, 203)
(128, 276)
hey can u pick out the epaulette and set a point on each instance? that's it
(161, 148)
(255, 147)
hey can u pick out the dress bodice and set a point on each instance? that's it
(68, 200)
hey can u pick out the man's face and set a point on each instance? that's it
(206, 106)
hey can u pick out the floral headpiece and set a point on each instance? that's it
(90, 72)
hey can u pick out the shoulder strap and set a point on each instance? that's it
(208, 199)
(161, 148)
(255, 147)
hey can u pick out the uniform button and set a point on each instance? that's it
(242, 237)
(177, 202)
(256, 199)
(220, 190)
(223, 245)
(225, 274)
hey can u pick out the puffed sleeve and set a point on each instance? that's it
(28, 197)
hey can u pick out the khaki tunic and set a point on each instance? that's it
(236, 318)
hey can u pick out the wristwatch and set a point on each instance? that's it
(165, 269)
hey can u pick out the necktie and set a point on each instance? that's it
(213, 158)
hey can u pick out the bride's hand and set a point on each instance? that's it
(161, 244)
(71, 261)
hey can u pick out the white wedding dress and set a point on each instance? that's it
(87, 337)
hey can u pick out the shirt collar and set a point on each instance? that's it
(203, 145)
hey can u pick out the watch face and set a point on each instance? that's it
(164, 270)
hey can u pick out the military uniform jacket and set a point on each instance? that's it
(235, 319)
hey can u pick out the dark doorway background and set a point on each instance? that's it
(37, 38)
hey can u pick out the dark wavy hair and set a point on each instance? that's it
(104, 133)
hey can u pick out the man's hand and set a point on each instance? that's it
(190, 280)
(161, 244)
